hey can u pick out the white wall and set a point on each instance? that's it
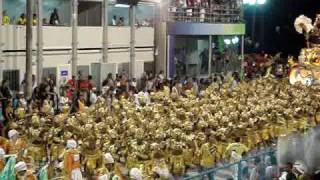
(89, 37)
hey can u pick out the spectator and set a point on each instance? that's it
(272, 171)
(195, 87)
(133, 85)
(5, 18)
(144, 79)
(93, 96)
(244, 167)
(6, 97)
(161, 76)
(236, 80)
(72, 83)
(90, 83)
(150, 84)
(23, 85)
(114, 21)
(20, 101)
(45, 22)
(34, 20)
(36, 94)
(120, 21)
(176, 89)
(108, 81)
(257, 172)
(54, 17)
(287, 173)
(22, 20)
(188, 84)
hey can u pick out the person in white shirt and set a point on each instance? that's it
(202, 15)
(272, 171)
(114, 21)
(93, 96)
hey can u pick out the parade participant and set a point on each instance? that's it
(106, 172)
(93, 158)
(159, 167)
(208, 153)
(23, 173)
(176, 160)
(2, 159)
(135, 174)
(71, 161)
(4, 143)
(16, 144)
(21, 169)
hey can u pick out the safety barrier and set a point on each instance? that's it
(237, 171)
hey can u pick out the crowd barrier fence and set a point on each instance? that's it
(235, 169)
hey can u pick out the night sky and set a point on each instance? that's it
(280, 13)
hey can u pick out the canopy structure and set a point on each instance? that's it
(129, 2)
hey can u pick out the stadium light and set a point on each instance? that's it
(254, 2)
(235, 40)
(260, 2)
(227, 41)
(250, 2)
(122, 5)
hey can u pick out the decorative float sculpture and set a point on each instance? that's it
(307, 69)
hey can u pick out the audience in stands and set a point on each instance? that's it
(205, 10)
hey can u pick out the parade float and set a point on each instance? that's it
(307, 69)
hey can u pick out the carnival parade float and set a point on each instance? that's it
(307, 69)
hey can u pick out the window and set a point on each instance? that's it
(13, 76)
(89, 13)
(193, 59)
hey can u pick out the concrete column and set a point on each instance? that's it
(105, 31)
(210, 55)
(74, 22)
(39, 41)
(29, 49)
(132, 14)
(1, 42)
(157, 26)
(242, 57)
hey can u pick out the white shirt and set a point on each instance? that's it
(93, 98)
(114, 22)
(23, 102)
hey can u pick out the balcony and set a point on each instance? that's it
(212, 15)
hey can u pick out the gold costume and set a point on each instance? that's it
(171, 134)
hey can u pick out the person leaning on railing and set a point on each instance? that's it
(22, 20)
(5, 18)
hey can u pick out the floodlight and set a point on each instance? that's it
(260, 2)
(250, 2)
(227, 41)
(235, 40)
(122, 5)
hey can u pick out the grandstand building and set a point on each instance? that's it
(180, 39)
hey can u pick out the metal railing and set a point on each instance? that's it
(235, 169)
(205, 15)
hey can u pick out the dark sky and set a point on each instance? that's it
(280, 13)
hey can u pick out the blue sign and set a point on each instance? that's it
(64, 73)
